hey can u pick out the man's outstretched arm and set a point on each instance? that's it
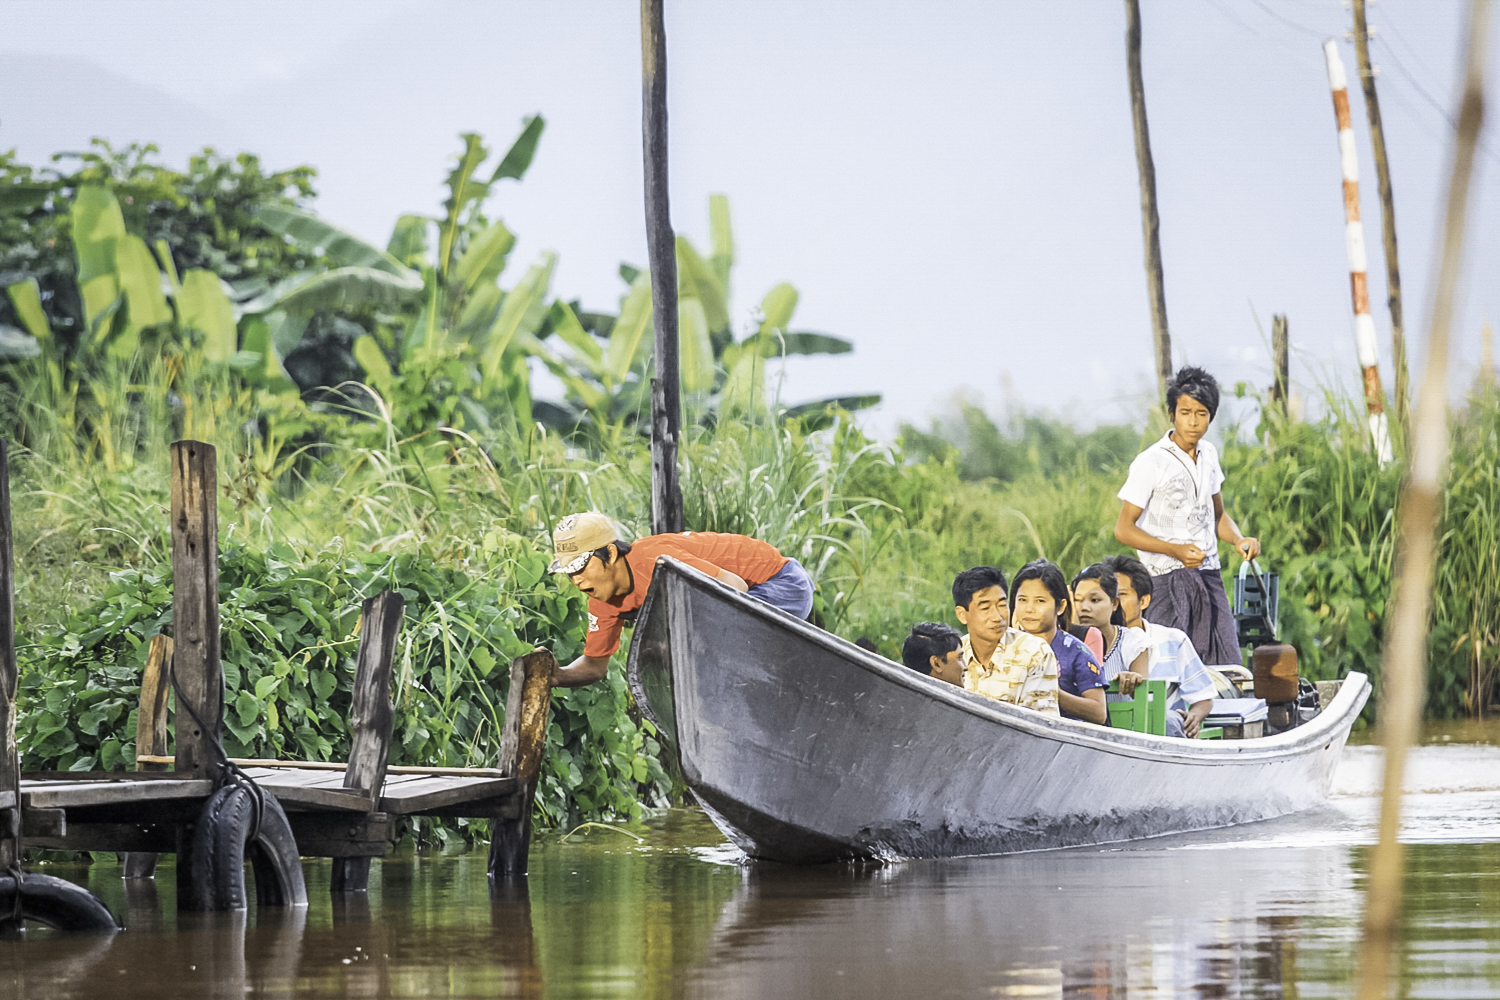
(584, 670)
(1248, 547)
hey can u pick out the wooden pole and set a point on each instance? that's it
(196, 671)
(1150, 223)
(1281, 353)
(151, 733)
(371, 717)
(1387, 214)
(521, 748)
(661, 243)
(1354, 245)
(10, 764)
(1403, 663)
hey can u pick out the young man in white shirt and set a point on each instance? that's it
(1171, 511)
(1172, 658)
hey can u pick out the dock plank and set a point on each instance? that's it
(48, 794)
(440, 792)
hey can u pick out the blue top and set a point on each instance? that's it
(1077, 670)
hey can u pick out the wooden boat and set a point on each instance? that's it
(804, 748)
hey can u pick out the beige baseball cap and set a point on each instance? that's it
(576, 537)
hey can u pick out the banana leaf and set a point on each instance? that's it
(135, 270)
(696, 280)
(27, 299)
(524, 309)
(342, 288)
(97, 227)
(807, 342)
(629, 329)
(463, 190)
(695, 350)
(408, 242)
(338, 245)
(484, 259)
(821, 413)
(203, 306)
(720, 239)
(567, 327)
(518, 158)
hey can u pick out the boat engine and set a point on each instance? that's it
(1290, 700)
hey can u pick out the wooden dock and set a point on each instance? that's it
(349, 811)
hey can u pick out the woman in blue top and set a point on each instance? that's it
(1038, 594)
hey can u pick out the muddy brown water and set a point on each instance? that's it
(1270, 910)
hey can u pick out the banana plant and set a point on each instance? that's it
(444, 347)
(150, 337)
(603, 360)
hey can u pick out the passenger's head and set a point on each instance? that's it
(1133, 584)
(1039, 597)
(980, 602)
(866, 643)
(1192, 403)
(1096, 597)
(588, 549)
(933, 649)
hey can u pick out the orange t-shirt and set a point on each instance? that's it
(710, 552)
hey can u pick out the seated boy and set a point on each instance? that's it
(935, 649)
(1001, 662)
(1171, 656)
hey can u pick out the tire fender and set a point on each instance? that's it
(222, 843)
(58, 903)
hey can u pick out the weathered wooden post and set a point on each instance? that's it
(526, 711)
(151, 732)
(370, 720)
(10, 764)
(661, 245)
(196, 671)
(1404, 658)
(1150, 223)
(1354, 238)
(1281, 357)
(1387, 211)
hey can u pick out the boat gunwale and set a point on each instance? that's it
(1332, 723)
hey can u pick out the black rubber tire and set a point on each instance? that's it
(222, 844)
(58, 903)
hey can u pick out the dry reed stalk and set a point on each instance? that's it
(1403, 665)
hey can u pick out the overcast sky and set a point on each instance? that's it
(951, 185)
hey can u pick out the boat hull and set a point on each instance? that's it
(805, 749)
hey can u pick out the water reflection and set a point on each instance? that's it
(1264, 911)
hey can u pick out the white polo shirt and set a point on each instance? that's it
(1176, 497)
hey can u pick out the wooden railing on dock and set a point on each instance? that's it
(345, 811)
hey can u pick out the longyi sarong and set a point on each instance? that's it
(1194, 601)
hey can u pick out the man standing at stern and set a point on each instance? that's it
(616, 574)
(1171, 512)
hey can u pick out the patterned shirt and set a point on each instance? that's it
(1176, 497)
(1174, 659)
(1021, 671)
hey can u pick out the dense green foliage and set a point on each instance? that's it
(439, 475)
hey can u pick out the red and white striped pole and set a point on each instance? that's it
(1354, 237)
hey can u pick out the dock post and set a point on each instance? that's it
(10, 765)
(196, 673)
(370, 720)
(525, 738)
(151, 732)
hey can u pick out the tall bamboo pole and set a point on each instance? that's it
(1354, 238)
(1403, 665)
(1150, 223)
(1387, 214)
(666, 387)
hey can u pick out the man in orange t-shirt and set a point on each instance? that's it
(616, 574)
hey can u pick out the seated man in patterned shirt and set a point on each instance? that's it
(1001, 662)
